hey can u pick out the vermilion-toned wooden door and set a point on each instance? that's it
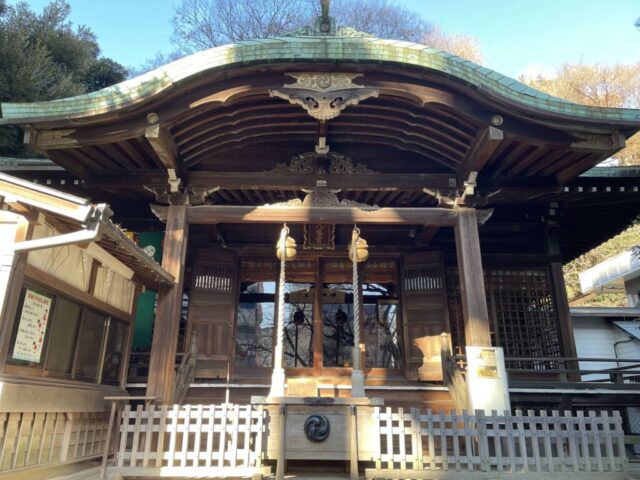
(212, 310)
(425, 314)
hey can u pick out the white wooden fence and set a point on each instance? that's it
(31, 439)
(212, 440)
(420, 444)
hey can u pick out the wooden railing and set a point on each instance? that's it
(622, 370)
(30, 439)
(182, 441)
(415, 444)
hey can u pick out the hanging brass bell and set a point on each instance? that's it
(361, 250)
(286, 247)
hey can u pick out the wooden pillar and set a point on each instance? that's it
(560, 300)
(474, 301)
(12, 268)
(167, 322)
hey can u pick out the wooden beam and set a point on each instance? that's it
(167, 322)
(209, 214)
(474, 302)
(282, 180)
(296, 181)
(481, 150)
(163, 145)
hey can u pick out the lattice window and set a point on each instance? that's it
(423, 278)
(215, 278)
(521, 312)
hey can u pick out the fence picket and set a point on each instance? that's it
(443, 442)
(185, 435)
(606, 424)
(416, 437)
(535, 447)
(622, 462)
(43, 437)
(522, 441)
(197, 433)
(210, 426)
(401, 445)
(389, 431)
(148, 436)
(573, 444)
(247, 437)
(548, 454)
(431, 440)
(162, 427)
(596, 439)
(456, 439)
(511, 445)
(467, 440)
(497, 440)
(29, 446)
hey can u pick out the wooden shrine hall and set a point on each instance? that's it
(363, 238)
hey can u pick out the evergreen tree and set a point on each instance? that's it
(44, 57)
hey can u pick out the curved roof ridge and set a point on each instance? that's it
(310, 48)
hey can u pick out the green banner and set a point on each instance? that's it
(151, 242)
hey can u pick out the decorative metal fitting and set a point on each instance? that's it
(317, 428)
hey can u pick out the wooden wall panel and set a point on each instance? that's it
(212, 310)
(425, 314)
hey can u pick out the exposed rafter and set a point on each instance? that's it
(163, 145)
(484, 146)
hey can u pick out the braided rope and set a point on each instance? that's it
(356, 302)
(282, 244)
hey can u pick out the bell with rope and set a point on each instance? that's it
(361, 251)
(286, 247)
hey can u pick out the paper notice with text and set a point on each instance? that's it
(32, 327)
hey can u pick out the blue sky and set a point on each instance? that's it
(515, 36)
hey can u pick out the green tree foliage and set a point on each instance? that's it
(202, 24)
(43, 57)
(598, 85)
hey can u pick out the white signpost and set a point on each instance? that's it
(32, 327)
(487, 384)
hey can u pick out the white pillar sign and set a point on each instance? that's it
(487, 384)
(32, 327)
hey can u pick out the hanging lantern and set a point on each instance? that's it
(360, 252)
(341, 318)
(298, 317)
(286, 247)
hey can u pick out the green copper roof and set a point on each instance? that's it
(312, 49)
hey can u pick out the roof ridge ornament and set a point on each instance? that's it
(325, 26)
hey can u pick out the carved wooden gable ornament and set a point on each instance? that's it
(324, 95)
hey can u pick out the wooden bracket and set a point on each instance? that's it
(482, 149)
(164, 147)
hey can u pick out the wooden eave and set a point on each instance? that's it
(69, 213)
(212, 112)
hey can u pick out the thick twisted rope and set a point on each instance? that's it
(356, 302)
(282, 244)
